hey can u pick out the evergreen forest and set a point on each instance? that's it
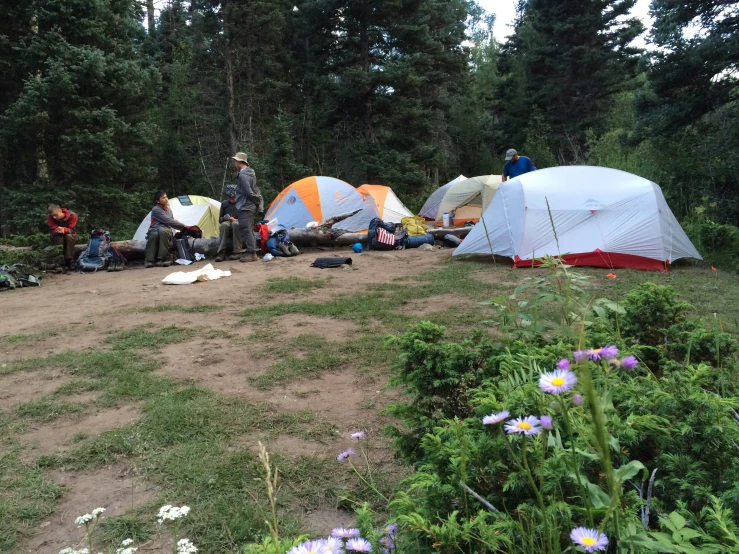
(104, 101)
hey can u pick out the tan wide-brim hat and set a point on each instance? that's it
(240, 157)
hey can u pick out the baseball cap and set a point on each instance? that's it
(509, 154)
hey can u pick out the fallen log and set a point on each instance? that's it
(134, 250)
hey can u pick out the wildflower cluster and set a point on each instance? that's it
(126, 547)
(172, 513)
(88, 518)
(557, 382)
(185, 546)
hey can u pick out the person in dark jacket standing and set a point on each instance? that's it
(62, 223)
(159, 236)
(249, 202)
(229, 220)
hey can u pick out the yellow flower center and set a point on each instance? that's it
(558, 381)
(588, 541)
(523, 425)
(596, 351)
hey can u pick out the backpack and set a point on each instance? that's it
(12, 276)
(382, 236)
(184, 249)
(98, 253)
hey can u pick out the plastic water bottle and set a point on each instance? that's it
(445, 218)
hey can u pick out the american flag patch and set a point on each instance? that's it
(384, 237)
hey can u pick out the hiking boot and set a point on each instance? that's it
(221, 256)
(159, 263)
(166, 263)
(235, 256)
(148, 264)
(249, 258)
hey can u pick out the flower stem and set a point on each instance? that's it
(370, 485)
(575, 467)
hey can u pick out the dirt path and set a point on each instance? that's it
(77, 312)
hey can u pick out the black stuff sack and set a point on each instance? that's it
(329, 263)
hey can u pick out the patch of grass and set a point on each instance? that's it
(139, 528)
(27, 498)
(292, 285)
(47, 410)
(195, 309)
(149, 336)
(41, 335)
(79, 386)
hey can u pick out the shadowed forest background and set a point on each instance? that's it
(105, 100)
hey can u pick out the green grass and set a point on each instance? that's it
(28, 497)
(195, 309)
(292, 285)
(149, 336)
(46, 410)
(28, 337)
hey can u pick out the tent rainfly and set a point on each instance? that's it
(591, 216)
(467, 199)
(319, 199)
(190, 210)
(388, 204)
(431, 206)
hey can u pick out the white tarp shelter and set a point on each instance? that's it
(431, 205)
(189, 210)
(602, 217)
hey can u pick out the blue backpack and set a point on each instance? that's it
(98, 253)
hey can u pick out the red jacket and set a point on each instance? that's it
(67, 224)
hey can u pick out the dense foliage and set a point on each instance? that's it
(642, 449)
(103, 102)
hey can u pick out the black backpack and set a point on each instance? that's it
(328, 263)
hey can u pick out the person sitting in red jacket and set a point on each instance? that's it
(62, 224)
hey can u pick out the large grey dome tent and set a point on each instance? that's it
(602, 217)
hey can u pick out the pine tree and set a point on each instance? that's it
(570, 59)
(78, 125)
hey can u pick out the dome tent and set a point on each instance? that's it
(468, 199)
(431, 206)
(602, 217)
(190, 210)
(319, 199)
(389, 205)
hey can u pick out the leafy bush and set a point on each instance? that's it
(648, 457)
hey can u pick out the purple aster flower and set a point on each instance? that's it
(492, 419)
(313, 547)
(629, 362)
(333, 545)
(387, 544)
(345, 454)
(590, 539)
(564, 363)
(546, 422)
(577, 399)
(559, 380)
(580, 355)
(358, 435)
(342, 533)
(528, 425)
(392, 528)
(605, 352)
(358, 545)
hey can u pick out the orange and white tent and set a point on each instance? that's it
(319, 199)
(388, 204)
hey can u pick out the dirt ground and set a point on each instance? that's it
(77, 311)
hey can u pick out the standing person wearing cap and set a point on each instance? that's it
(516, 165)
(229, 220)
(248, 202)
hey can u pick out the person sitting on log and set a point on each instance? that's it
(62, 223)
(229, 232)
(159, 236)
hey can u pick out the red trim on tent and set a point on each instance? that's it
(599, 258)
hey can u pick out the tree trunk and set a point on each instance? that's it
(369, 132)
(232, 131)
(150, 16)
